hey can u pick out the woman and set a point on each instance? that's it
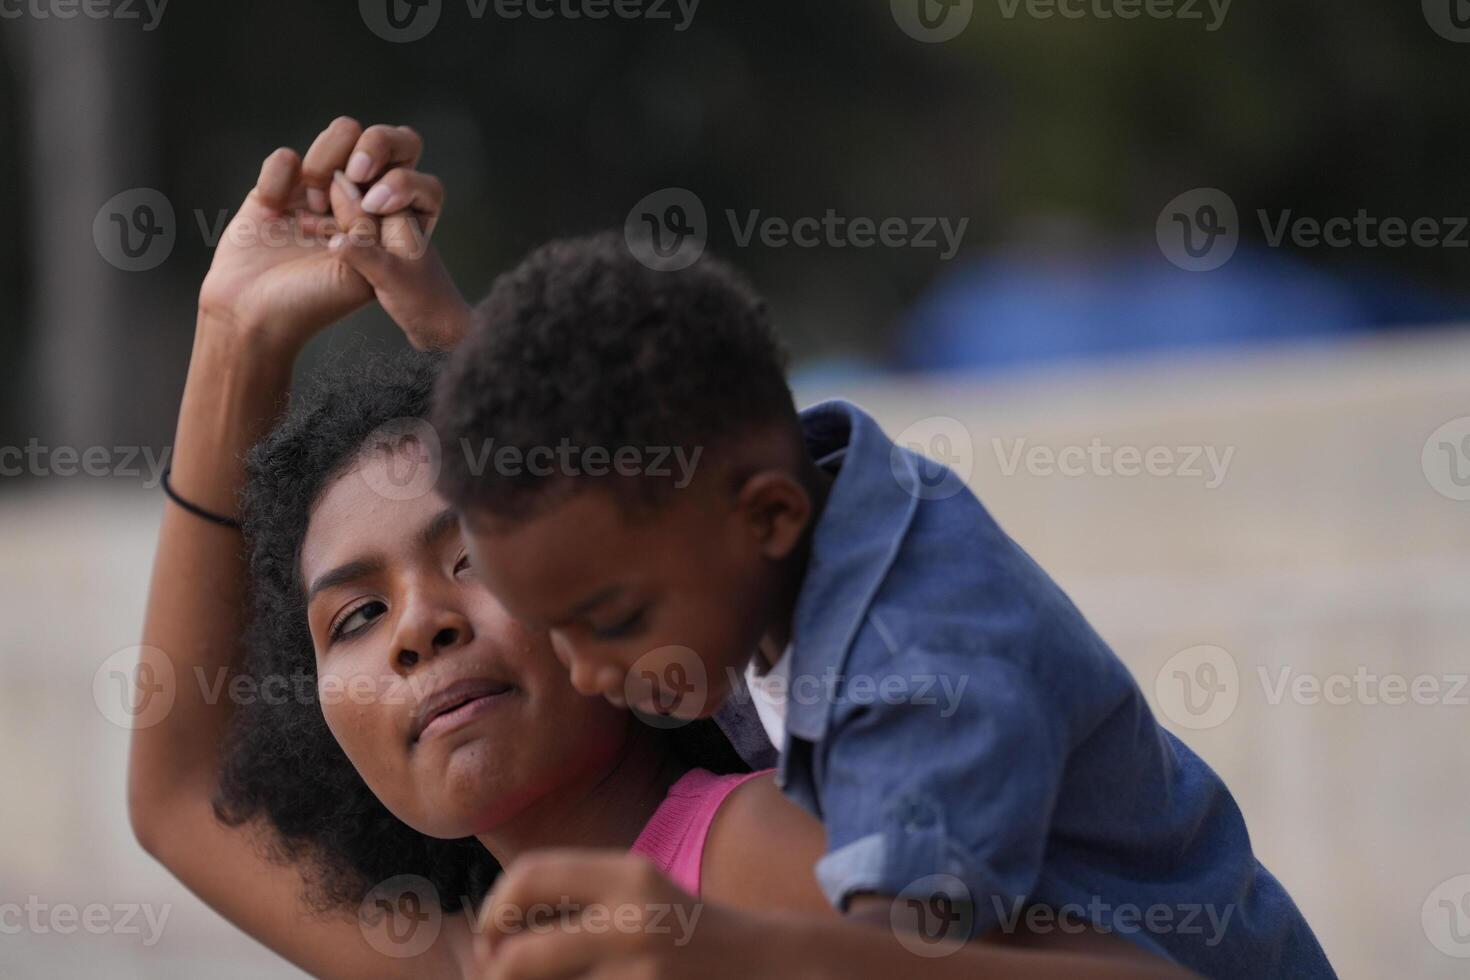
(357, 784)
(438, 739)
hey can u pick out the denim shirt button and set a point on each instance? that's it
(920, 817)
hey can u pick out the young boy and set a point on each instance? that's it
(626, 456)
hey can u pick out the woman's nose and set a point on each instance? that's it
(424, 633)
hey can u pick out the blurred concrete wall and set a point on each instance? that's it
(1326, 548)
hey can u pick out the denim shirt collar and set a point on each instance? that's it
(854, 544)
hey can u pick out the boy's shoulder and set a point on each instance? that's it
(908, 563)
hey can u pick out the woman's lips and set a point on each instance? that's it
(452, 705)
(462, 715)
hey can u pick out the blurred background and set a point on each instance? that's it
(1180, 289)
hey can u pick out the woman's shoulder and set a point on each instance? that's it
(761, 849)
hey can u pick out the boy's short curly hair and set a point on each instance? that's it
(582, 344)
(280, 762)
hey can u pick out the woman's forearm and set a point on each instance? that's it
(237, 383)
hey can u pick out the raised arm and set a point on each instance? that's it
(275, 282)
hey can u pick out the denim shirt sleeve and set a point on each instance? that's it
(953, 796)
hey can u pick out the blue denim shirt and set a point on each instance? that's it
(951, 713)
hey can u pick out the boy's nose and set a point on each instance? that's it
(595, 679)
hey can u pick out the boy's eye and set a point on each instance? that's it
(622, 628)
(463, 564)
(357, 620)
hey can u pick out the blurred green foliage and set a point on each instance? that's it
(792, 107)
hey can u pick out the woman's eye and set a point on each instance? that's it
(619, 629)
(358, 619)
(463, 564)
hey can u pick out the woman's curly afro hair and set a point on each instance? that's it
(280, 762)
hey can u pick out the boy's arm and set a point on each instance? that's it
(951, 793)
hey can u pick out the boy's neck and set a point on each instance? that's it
(792, 572)
(606, 808)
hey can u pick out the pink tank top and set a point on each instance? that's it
(674, 838)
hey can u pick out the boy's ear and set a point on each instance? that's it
(776, 508)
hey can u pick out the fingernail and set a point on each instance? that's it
(360, 167)
(338, 241)
(347, 186)
(378, 199)
(316, 199)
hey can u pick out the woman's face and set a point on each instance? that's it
(456, 717)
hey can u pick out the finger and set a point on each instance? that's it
(365, 257)
(404, 235)
(381, 148)
(327, 155)
(314, 225)
(404, 189)
(277, 177)
(554, 953)
(346, 202)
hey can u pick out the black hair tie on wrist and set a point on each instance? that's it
(195, 509)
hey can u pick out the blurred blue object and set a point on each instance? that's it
(1024, 306)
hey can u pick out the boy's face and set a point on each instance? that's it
(657, 611)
